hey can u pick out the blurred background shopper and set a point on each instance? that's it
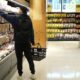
(23, 34)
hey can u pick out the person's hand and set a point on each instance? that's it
(19, 11)
(33, 43)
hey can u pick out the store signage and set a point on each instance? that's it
(56, 5)
(68, 5)
(61, 5)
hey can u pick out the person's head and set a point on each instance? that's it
(23, 10)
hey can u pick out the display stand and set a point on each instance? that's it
(63, 26)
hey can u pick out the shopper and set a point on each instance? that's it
(23, 35)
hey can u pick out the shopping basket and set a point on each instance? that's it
(38, 53)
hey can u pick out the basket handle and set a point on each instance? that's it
(38, 45)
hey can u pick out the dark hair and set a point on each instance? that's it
(24, 10)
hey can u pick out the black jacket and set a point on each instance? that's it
(22, 25)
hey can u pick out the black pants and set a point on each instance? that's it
(26, 48)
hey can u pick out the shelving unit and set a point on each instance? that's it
(5, 32)
(62, 26)
(7, 56)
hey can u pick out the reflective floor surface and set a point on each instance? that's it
(62, 63)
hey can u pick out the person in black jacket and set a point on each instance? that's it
(23, 37)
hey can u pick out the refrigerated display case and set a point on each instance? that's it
(63, 25)
(7, 56)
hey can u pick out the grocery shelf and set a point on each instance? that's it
(62, 23)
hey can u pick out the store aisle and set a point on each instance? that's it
(62, 63)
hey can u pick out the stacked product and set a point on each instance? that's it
(63, 26)
(6, 37)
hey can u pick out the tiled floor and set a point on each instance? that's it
(62, 63)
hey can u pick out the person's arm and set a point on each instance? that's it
(9, 18)
(5, 7)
